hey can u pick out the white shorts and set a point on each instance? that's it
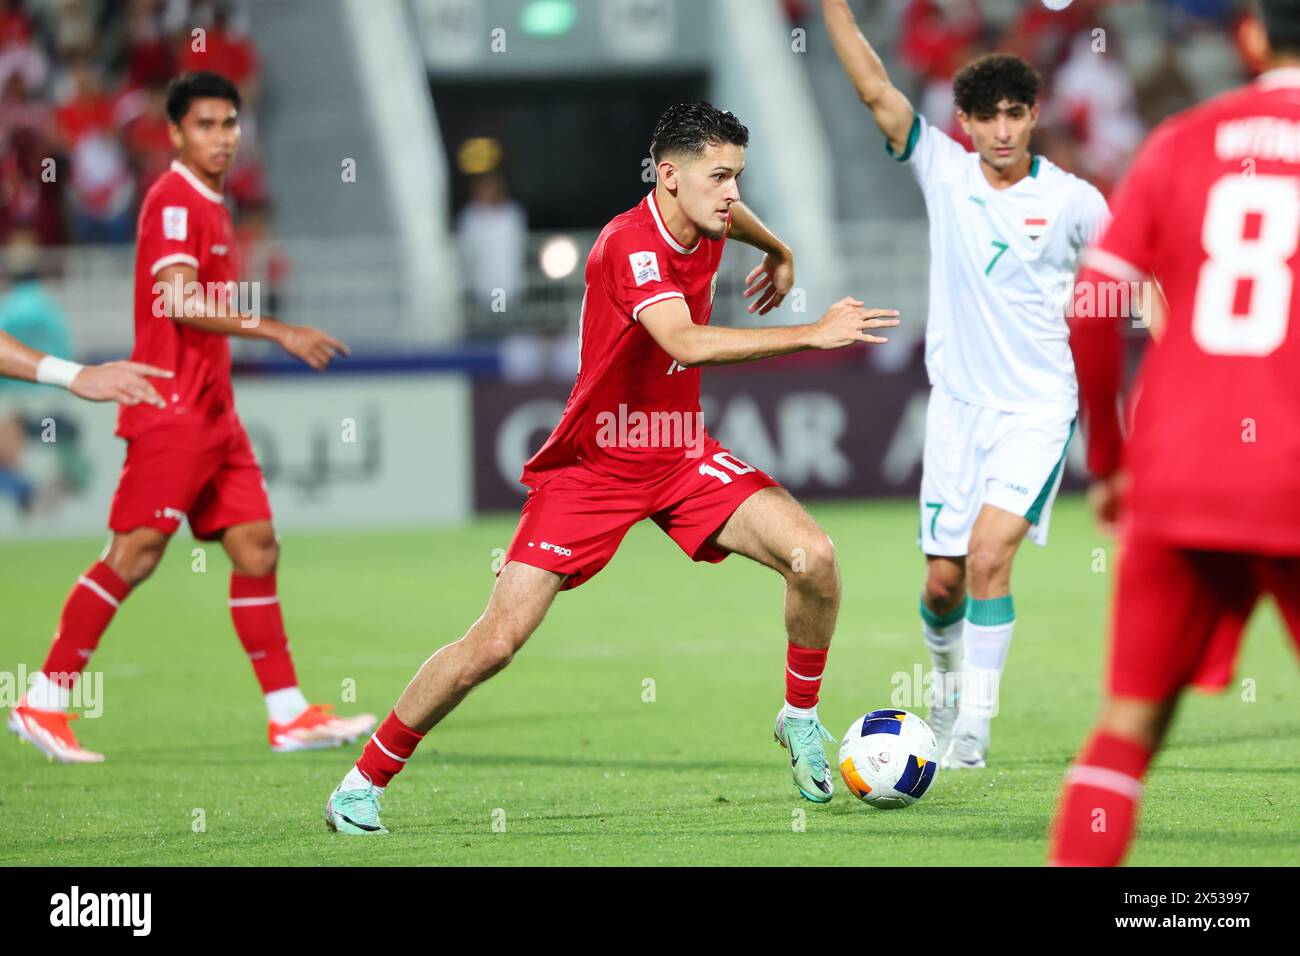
(976, 456)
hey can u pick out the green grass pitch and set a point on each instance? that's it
(562, 752)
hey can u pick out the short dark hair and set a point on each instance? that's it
(189, 87)
(1282, 22)
(690, 127)
(980, 86)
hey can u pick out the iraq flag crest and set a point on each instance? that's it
(1035, 227)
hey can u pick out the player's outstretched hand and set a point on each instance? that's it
(123, 382)
(771, 280)
(312, 346)
(847, 323)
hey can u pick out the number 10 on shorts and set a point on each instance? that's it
(728, 461)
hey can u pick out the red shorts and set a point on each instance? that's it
(1180, 614)
(209, 475)
(574, 521)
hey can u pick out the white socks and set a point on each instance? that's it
(943, 638)
(45, 694)
(792, 711)
(285, 706)
(989, 626)
(356, 780)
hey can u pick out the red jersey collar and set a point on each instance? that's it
(653, 203)
(199, 186)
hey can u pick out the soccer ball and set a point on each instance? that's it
(888, 758)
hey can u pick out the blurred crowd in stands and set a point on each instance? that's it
(1096, 109)
(83, 124)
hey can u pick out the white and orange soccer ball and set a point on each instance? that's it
(888, 758)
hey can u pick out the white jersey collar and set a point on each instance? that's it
(199, 186)
(663, 230)
(1036, 165)
(1280, 77)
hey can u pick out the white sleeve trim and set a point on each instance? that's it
(1111, 264)
(636, 312)
(173, 259)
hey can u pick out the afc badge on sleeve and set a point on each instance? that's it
(175, 222)
(645, 267)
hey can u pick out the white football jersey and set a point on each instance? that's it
(1002, 266)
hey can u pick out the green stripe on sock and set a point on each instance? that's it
(938, 621)
(991, 612)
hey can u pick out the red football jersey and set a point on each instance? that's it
(1211, 208)
(182, 221)
(633, 412)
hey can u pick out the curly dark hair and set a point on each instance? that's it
(982, 85)
(687, 128)
(1282, 21)
(197, 86)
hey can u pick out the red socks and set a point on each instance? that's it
(1094, 822)
(387, 750)
(803, 675)
(86, 614)
(255, 609)
(98, 593)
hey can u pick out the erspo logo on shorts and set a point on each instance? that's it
(556, 549)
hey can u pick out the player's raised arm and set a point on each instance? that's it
(773, 278)
(122, 382)
(179, 297)
(888, 105)
(845, 323)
